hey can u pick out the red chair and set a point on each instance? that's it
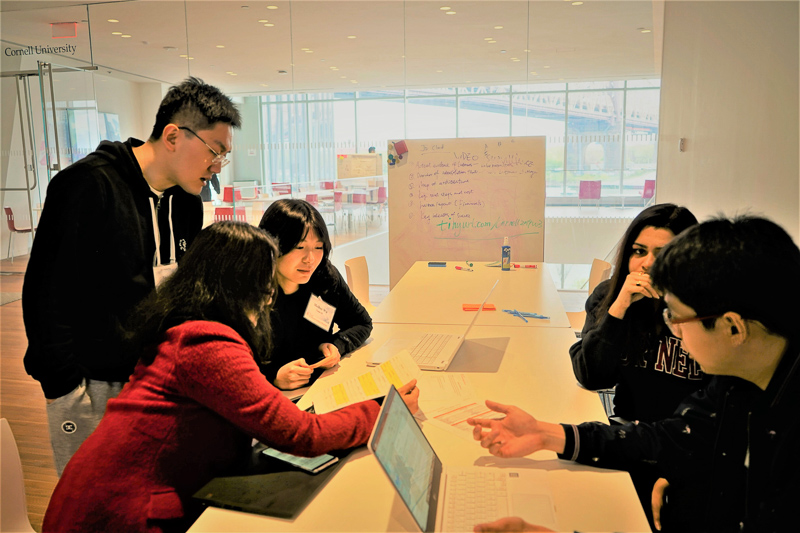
(327, 185)
(589, 190)
(228, 195)
(649, 192)
(313, 199)
(281, 188)
(228, 213)
(12, 229)
(381, 201)
(356, 208)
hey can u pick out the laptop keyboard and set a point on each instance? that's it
(474, 498)
(427, 349)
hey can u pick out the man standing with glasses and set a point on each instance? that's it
(115, 224)
(730, 452)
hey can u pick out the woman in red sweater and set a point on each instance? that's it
(197, 397)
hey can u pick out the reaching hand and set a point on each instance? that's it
(293, 375)
(512, 523)
(410, 394)
(657, 500)
(331, 356)
(516, 435)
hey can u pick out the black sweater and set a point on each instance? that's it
(294, 337)
(729, 452)
(651, 371)
(92, 263)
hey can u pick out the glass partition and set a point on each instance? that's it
(317, 80)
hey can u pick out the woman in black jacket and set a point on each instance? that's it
(312, 298)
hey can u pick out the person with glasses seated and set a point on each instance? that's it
(625, 343)
(729, 451)
(197, 398)
(114, 224)
(312, 298)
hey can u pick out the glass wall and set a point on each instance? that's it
(600, 131)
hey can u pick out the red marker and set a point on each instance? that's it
(464, 268)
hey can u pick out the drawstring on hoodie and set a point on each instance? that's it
(157, 233)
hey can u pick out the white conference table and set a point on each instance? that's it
(534, 373)
(434, 295)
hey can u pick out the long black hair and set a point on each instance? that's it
(226, 276)
(288, 222)
(660, 216)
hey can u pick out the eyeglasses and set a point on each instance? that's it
(674, 324)
(218, 158)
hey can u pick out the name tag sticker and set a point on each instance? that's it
(319, 312)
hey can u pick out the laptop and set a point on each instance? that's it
(431, 351)
(446, 498)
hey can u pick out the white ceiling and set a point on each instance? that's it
(398, 44)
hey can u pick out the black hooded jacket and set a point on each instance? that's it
(92, 263)
(729, 453)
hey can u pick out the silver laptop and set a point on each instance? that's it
(431, 351)
(446, 498)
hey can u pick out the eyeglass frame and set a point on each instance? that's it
(218, 158)
(666, 314)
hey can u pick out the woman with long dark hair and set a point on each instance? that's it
(624, 341)
(197, 398)
(312, 298)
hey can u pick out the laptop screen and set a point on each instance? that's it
(407, 458)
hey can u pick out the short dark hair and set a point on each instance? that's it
(662, 216)
(748, 265)
(226, 275)
(288, 222)
(197, 105)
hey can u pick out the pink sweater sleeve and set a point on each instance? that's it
(215, 367)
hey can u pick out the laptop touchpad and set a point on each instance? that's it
(534, 509)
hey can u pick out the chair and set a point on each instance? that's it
(327, 185)
(281, 188)
(228, 195)
(324, 208)
(358, 280)
(228, 213)
(649, 192)
(356, 206)
(589, 190)
(600, 271)
(380, 203)
(13, 505)
(12, 229)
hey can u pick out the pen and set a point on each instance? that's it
(523, 313)
(464, 268)
(520, 315)
(516, 265)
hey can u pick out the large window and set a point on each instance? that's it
(604, 131)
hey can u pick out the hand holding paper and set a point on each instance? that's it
(397, 371)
